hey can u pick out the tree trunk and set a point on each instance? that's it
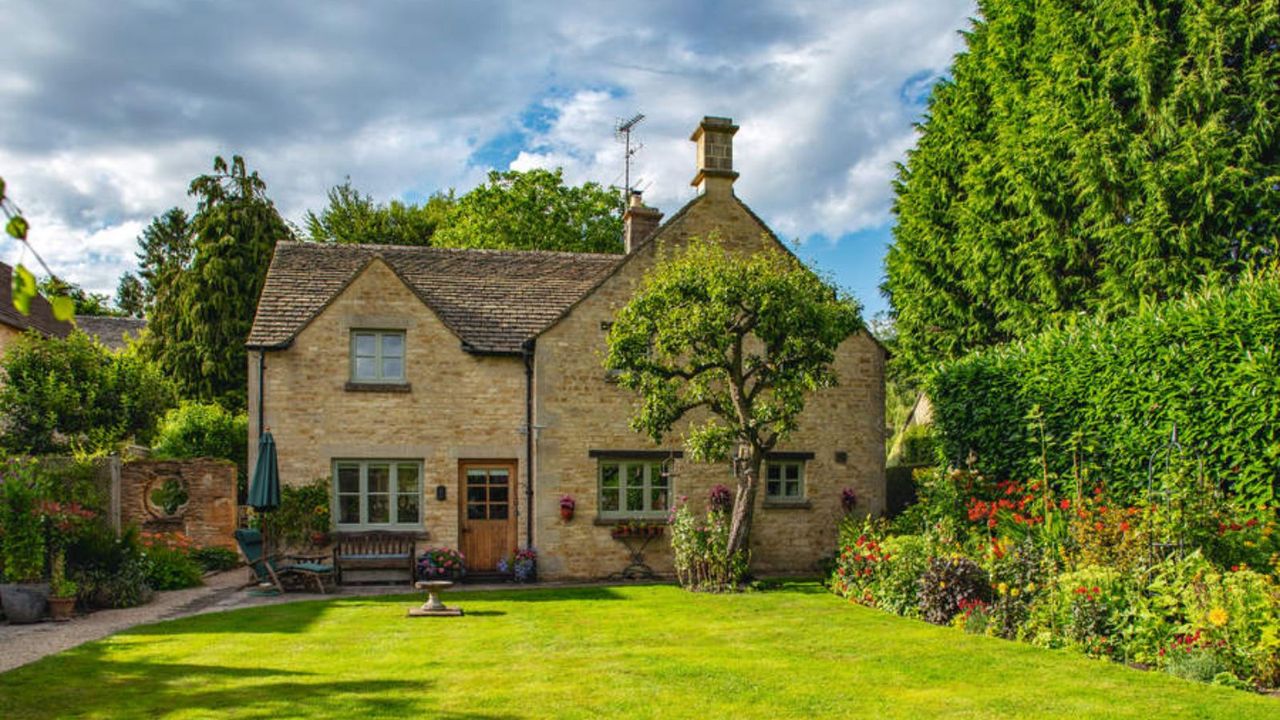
(744, 503)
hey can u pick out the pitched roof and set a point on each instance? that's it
(41, 317)
(493, 300)
(114, 332)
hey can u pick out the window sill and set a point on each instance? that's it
(787, 505)
(372, 387)
(612, 521)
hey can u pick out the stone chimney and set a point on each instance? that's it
(638, 223)
(714, 137)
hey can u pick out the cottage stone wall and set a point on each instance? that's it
(579, 410)
(209, 516)
(459, 405)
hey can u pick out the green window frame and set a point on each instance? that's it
(377, 494)
(377, 356)
(633, 489)
(784, 481)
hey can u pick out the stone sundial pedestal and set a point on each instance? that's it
(433, 607)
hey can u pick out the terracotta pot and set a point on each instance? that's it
(566, 514)
(61, 609)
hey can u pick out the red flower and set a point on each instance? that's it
(1064, 504)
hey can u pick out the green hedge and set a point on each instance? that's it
(1104, 397)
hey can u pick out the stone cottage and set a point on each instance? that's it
(410, 377)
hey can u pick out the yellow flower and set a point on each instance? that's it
(942, 584)
(1003, 588)
(1014, 592)
(1218, 617)
(1031, 587)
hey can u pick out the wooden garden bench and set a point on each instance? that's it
(375, 557)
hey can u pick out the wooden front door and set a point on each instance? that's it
(488, 510)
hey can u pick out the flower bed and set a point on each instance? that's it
(1186, 581)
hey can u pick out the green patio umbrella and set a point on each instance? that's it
(264, 491)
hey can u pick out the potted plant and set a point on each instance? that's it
(24, 597)
(567, 505)
(441, 563)
(522, 564)
(62, 597)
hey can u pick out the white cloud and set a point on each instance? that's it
(106, 114)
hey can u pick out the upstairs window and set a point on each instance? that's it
(377, 356)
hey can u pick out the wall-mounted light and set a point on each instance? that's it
(440, 492)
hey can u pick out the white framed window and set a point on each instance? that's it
(377, 356)
(784, 481)
(377, 494)
(634, 489)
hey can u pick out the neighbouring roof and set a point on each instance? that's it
(41, 316)
(114, 332)
(493, 300)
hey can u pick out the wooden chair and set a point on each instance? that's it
(270, 569)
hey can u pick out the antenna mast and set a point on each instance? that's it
(623, 133)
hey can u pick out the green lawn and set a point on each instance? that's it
(627, 652)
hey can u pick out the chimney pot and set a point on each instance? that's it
(714, 138)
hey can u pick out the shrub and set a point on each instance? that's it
(700, 551)
(168, 562)
(946, 583)
(215, 559)
(1086, 609)
(1104, 396)
(110, 570)
(195, 430)
(22, 538)
(1019, 572)
(303, 516)
(897, 584)
(63, 394)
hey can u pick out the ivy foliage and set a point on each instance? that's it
(1101, 398)
(198, 337)
(1085, 157)
(61, 395)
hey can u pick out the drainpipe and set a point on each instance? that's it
(527, 349)
(262, 363)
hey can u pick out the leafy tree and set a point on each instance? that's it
(131, 296)
(354, 218)
(198, 332)
(196, 430)
(85, 302)
(747, 339)
(1085, 158)
(534, 210)
(72, 393)
(165, 249)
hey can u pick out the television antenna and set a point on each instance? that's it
(623, 133)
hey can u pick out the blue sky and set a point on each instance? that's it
(108, 110)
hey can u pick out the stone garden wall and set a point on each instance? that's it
(195, 497)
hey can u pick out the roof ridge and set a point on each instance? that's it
(433, 248)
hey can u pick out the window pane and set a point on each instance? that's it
(497, 493)
(392, 368)
(609, 499)
(475, 494)
(657, 476)
(477, 477)
(407, 508)
(366, 369)
(793, 488)
(658, 499)
(609, 476)
(793, 471)
(379, 478)
(498, 511)
(475, 512)
(348, 478)
(498, 477)
(773, 471)
(379, 509)
(407, 478)
(392, 345)
(635, 499)
(349, 509)
(773, 487)
(635, 476)
(366, 344)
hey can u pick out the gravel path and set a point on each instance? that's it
(22, 644)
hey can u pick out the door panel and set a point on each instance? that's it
(487, 517)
